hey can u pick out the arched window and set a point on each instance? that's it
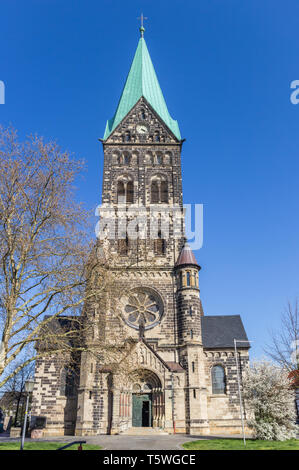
(127, 136)
(142, 114)
(126, 159)
(168, 158)
(157, 137)
(115, 158)
(125, 192)
(218, 380)
(149, 158)
(159, 191)
(159, 159)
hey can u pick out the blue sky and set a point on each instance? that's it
(225, 68)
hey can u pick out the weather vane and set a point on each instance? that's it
(142, 18)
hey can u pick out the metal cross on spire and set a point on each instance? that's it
(142, 29)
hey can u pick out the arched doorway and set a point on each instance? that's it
(147, 399)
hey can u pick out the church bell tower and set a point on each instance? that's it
(150, 358)
(152, 306)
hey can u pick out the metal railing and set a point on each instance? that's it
(72, 444)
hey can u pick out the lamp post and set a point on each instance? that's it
(172, 402)
(239, 385)
(28, 389)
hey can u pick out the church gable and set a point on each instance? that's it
(143, 356)
(142, 125)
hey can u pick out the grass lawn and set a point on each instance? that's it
(44, 446)
(237, 444)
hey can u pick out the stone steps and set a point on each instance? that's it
(139, 431)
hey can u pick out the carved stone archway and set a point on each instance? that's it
(147, 392)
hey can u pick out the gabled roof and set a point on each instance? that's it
(220, 331)
(142, 81)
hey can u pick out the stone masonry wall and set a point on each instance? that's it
(224, 410)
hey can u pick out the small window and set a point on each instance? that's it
(188, 278)
(194, 393)
(157, 137)
(123, 246)
(126, 159)
(127, 137)
(142, 114)
(160, 245)
(190, 312)
(193, 367)
(159, 159)
(191, 334)
(90, 395)
(218, 380)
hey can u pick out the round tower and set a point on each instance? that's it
(188, 301)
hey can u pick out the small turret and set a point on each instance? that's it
(189, 305)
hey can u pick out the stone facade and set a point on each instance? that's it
(168, 379)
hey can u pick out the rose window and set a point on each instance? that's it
(142, 307)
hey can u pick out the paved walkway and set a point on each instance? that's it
(119, 442)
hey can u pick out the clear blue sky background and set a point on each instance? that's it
(225, 68)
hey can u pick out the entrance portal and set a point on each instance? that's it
(147, 399)
(142, 410)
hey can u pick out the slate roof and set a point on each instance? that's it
(187, 257)
(220, 331)
(142, 81)
(175, 366)
(58, 326)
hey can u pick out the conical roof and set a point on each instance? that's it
(187, 257)
(142, 81)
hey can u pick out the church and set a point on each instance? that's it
(179, 370)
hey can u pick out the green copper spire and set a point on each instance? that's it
(142, 81)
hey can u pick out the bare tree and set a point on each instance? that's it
(14, 391)
(47, 262)
(284, 347)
